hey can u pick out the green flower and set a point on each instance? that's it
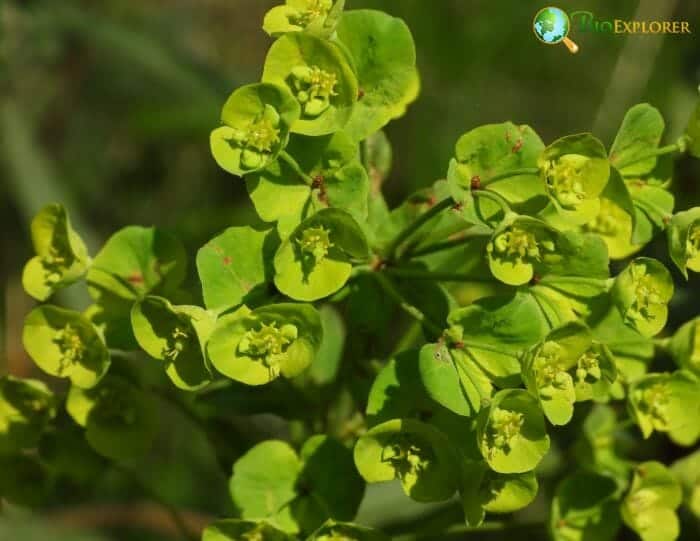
(61, 254)
(317, 17)
(319, 78)
(257, 347)
(243, 530)
(256, 121)
(642, 292)
(511, 432)
(518, 248)
(649, 506)
(667, 403)
(26, 407)
(345, 531)
(415, 453)
(684, 240)
(575, 171)
(614, 225)
(65, 344)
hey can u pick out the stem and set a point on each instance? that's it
(409, 338)
(417, 274)
(406, 306)
(458, 532)
(297, 168)
(493, 196)
(668, 149)
(511, 173)
(662, 344)
(416, 224)
(445, 245)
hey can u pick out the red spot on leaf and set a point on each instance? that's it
(135, 278)
(476, 182)
(227, 260)
(518, 145)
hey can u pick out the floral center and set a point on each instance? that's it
(646, 294)
(654, 400)
(550, 372)
(71, 343)
(268, 343)
(314, 10)
(504, 426)
(519, 245)
(335, 536)
(177, 342)
(256, 534)
(54, 263)
(607, 222)
(588, 367)
(692, 243)
(565, 180)
(313, 88)
(314, 243)
(409, 459)
(258, 138)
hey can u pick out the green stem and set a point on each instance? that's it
(668, 149)
(406, 306)
(417, 274)
(458, 533)
(511, 173)
(433, 211)
(662, 344)
(296, 167)
(444, 245)
(493, 196)
(409, 338)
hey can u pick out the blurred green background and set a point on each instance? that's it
(106, 107)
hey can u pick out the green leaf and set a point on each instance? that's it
(687, 471)
(585, 507)
(649, 506)
(315, 260)
(25, 480)
(65, 344)
(642, 292)
(639, 135)
(324, 368)
(417, 454)
(66, 453)
(318, 76)
(653, 208)
(256, 120)
(234, 267)
(346, 531)
(667, 403)
(234, 529)
(511, 432)
(384, 58)
(134, 262)
(377, 157)
(316, 17)
(685, 346)
(257, 347)
(297, 493)
(492, 150)
(120, 420)
(61, 256)
(26, 407)
(692, 131)
(575, 170)
(484, 491)
(684, 240)
(176, 335)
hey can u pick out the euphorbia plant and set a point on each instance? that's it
(505, 266)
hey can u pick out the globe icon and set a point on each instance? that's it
(551, 26)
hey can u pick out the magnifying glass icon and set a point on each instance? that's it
(551, 26)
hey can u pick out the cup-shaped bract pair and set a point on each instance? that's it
(301, 491)
(684, 240)
(317, 17)
(667, 402)
(685, 346)
(575, 171)
(61, 256)
(511, 432)
(649, 508)
(247, 530)
(256, 347)
(484, 159)
(568, 366)
(64, 343)
(383, 56)
(256, 120)
(120, 420)
(416, 453)
(641, 293)
(585, 506)
(319, 79)
(176, 335)
(134, 262)
(280, 195)
(484, 490)
(26, 407)
(317, 258)
(520, 248)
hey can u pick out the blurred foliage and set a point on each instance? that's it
(107, 106)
